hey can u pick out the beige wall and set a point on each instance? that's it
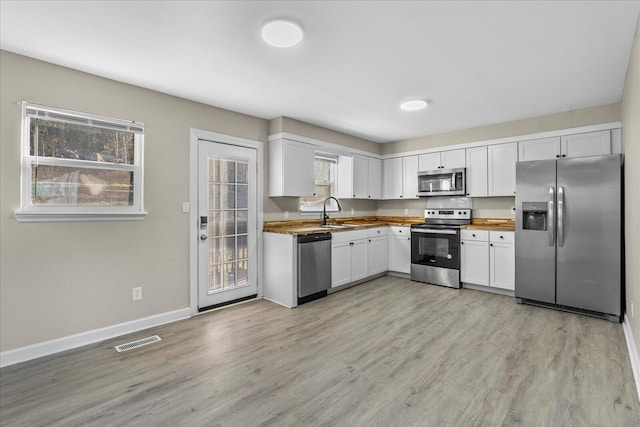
(60, 279)
(583, 117)
(285, 124)
(631, 149)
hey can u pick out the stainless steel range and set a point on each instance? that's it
(435, 246)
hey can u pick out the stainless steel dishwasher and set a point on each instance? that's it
(314, 266)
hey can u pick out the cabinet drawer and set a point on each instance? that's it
(348, 236)
(399, 231)
(376, 232)
(482, 235)
(501, 236)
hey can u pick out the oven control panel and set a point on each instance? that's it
(447, 214)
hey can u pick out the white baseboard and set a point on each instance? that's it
(22, 354)
(633, 353)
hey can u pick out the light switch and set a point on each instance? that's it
(185, 207)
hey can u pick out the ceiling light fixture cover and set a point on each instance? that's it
(413, 105)
(281, 33)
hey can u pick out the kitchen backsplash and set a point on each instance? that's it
(485, 207)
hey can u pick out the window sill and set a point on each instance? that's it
(26, 216)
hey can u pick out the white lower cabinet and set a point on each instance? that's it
(349, 259)
(377, 250)
(474, 257)
(487, 258)
(400, 249)
(502, 259)
(340, 263)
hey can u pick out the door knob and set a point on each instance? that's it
(203, 237)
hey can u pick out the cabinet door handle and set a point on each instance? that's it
(502, 237)
(350, 243)
(462, 243)
(490, 244)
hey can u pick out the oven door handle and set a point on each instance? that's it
(433, 231)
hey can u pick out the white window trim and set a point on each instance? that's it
(44, 213)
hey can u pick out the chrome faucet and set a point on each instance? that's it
(325, 217)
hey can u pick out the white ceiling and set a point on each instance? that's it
(477, 62)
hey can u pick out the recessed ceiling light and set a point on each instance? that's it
(281, 33)
(413, 105)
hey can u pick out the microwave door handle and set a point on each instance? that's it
(551, 226)
(561, 216)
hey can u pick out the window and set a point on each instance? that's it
(79, 167)
(325, 176)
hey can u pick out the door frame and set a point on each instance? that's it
(195, 135)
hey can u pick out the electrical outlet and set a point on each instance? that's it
(137, 294)
(353, 211)
(286, 214)
(513, 210)
(185, 207)
(406, 211)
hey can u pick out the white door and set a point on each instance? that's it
(227, 224)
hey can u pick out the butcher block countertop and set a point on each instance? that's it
(305, 226)
(491, 224)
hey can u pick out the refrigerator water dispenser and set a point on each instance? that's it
(534, 216)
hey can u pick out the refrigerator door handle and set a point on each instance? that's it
(551, 227)
(560, 216)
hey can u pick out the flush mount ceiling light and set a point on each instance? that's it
(413, 105)
(281, 33)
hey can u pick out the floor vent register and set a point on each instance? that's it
(137, 343)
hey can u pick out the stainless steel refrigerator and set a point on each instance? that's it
(569, 252)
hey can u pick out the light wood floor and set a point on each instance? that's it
(390, 352)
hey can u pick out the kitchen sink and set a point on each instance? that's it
(337, 226)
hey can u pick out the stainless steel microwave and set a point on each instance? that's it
(442, 182)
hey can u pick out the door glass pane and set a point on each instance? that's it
(243, 272)
(229, 223)
(243, 248)
(215, 277)
(242, 218)
(242, 197)
(242, 169)
(228, 220)
(228, 171)
(229, 275)
(229, 248)
(228, 196)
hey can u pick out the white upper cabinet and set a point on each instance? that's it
(502, 160)
(586, 144)
(578, 145)
(375, 178)
(442, 160)
(392, 178)
(429, 161)
(410, 177)
(477, 172)
(400, 178)
(291, 169)
(359, 177)
(539, 149)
